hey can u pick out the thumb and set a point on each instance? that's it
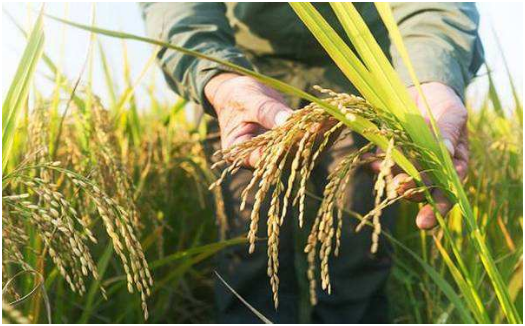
(270, 113)
(450, 132)
(447, 108)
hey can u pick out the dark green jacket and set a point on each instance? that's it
(442, 40)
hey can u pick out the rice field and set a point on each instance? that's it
(111, 214)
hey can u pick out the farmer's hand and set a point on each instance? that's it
(245, 108)
(451, 118)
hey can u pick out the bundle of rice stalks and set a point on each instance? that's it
(298, 144)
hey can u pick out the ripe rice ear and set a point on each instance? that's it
(298, 144)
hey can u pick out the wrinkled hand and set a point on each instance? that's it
(245, 108)
(451, 118)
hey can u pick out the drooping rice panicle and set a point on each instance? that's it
(298, 144)
(65, 230)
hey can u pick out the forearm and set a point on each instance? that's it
(200, 27)
(442, 40)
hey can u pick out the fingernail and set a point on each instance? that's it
(281, 117)
(449, 146)
(406, 180)
(426, 221)
(419, 221)
(423, 222)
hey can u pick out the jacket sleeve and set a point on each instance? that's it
(442, 41)
(201, 27)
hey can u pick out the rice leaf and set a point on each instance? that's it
(466, 287)
(17, 95)
(108, 77)
(249, 306)
(102, 267)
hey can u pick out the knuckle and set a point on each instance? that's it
(263, 107)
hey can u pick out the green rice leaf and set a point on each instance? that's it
(108, 76)
(17, 95)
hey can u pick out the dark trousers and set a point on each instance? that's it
(358, 278)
